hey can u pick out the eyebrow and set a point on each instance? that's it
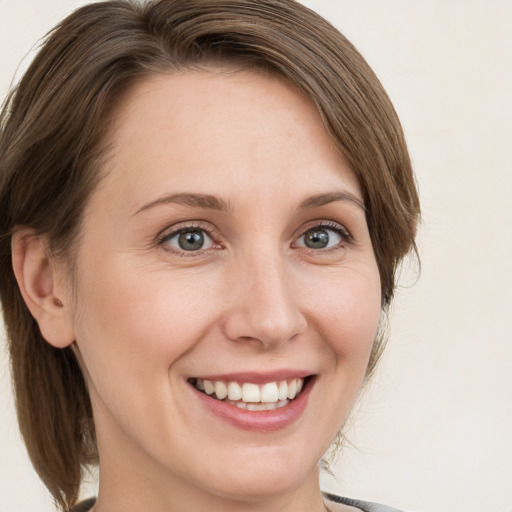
(211, 202)
(195, 200)
(331, 197)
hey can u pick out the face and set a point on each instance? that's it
(225, 251)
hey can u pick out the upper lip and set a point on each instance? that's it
(257, 377)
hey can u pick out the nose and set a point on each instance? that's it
(263, 306)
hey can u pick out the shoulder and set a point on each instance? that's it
(365, 506)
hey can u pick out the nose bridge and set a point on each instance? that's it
(264, 307)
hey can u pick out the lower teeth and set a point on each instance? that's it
(258, 406)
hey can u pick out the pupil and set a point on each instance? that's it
(191, 240)
(316, 239)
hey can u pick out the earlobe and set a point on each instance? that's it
(40, 283)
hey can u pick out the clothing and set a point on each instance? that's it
(365, 506)
(84, 506)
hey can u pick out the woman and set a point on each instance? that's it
(203, 208)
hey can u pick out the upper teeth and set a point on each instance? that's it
(270, 392)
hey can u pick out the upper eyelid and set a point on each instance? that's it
(329, 224)
(170, 231)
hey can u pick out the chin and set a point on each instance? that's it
(260, 487)
(263, 477)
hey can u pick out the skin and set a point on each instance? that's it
(144, 315)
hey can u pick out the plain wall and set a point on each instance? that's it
(432, 432)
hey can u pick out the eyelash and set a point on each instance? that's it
(165, 236)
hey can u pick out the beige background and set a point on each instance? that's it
(433, 432)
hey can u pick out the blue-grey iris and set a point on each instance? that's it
(316, 238)
(191, 240)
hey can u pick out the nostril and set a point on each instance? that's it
(248, 327)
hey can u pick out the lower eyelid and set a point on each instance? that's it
(339, 243)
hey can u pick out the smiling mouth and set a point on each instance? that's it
(250, 396)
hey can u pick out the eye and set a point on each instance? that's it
(188, 239)
(322, 237)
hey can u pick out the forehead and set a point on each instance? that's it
(208, 129)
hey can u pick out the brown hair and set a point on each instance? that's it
(54, 121)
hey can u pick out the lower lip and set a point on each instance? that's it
(260, 421)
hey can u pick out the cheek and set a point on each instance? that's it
(132, 329)
(139, 321)
(347, 313)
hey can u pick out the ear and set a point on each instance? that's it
(43, 286)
